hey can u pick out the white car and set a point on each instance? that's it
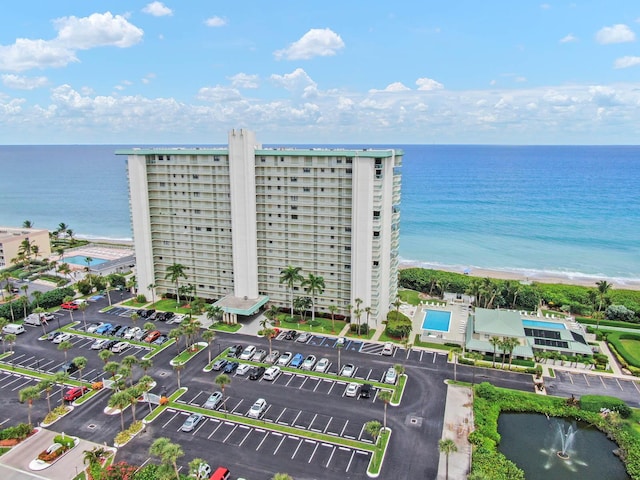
(243, 368)
(390, 376)
(120, 347)
(352, 389)
(284, 359)
(63, 337)
(309, 363)
(322, 365)
(94, 327)
(132, 332)
(303, 337)
(272, 373)
(387, 349)
(341, 341)
(248, 352)
(258, 408)
(99, 343)
(348, 370)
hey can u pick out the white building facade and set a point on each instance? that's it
(235, 216)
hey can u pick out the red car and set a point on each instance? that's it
(152, 335)
(69, 306)
(75, 393)
(276, 332)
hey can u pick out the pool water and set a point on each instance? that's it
(80, 260)
(541, 324)
(437, 320)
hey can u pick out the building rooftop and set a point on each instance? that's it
(241, 305)
(7, 233)
(317, 152)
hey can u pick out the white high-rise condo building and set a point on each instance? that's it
(236, 216)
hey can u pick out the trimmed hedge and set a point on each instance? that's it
(613, 338)
(19, 432)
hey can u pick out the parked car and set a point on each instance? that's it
(120, 347)
(258, 408)
(213, 401)
(116, 330)
(109, 331)
(391, 376)
(191, 422)
(99, 343)
(235, 351)
(348, 370)
(259, 355)
(341, 341)
(256, 372)
(94, 326)
(219, 364)
(242, 369)
(290, 335)
(105, 327)
(272, 357)
(248, 352)
(14, 328)
(67, 367)
(140, 335)
(231, 367)
(352, 389)
(309, 362)
(109, 344)
(75, 393)
(162, 339)
(47, 316)
(49, 336)
(152, 335)
(365, 390)
(69, 306)
(297, 360)
(387, 349)
(132, 332)
(272, 373)
(322, 365)
(63, 337)
(284, 359)
(221, 473)
(303, 337)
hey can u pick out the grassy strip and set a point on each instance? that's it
(226, 327)
(367, 336)
(433, 346)
(411, 297)
(323, 437)
(608, 323)
(169, 305)
(375, 464)
(155, 350)
(552, 374)
(41, 376)
(399, 391)
(187, 355)
(161, 408)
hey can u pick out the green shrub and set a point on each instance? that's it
(66, 440)
(18, 432)
(593, 403)
(364, 328)
(613, 339)
(141, 299)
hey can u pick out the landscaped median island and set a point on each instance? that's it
(54, 452)
(188, 354)
(609, 415)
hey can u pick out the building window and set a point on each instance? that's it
(198, 229)
(216, 159)
(195, 175)
(347, 267)
(306, 170)
(162, 184)
(209, 229)
(196, 211)
(294, 207)
(294, 179)
(375, 263)
(160, 157)
(347, 248)
(306, 189)
(294, 217)
(348, 170)
(263, 160)
(196, 194)
(339, 160)
(349, 160)
(294, 198)
(376, 234)
(282, 159)
(376, 214)
(347, 229)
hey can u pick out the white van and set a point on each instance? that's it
(33, 319)
(13, 328)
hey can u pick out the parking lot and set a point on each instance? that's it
(568, 383)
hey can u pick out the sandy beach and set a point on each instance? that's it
(531, 276)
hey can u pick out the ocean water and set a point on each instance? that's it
(572, 210)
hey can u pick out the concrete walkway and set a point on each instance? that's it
(458, 423)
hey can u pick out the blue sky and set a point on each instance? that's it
(186, 72)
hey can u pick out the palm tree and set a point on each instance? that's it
(447, 446)
(374, 429)
(168, 452)
(290, 276)
(152, 287)
(208, 336)
(93, 456)
(4, 277)
(62, 229)
(64, 269)
(214, 313)
(368, 311)
(495, 343)
(134, 394)
(60, 379)
(178, 367)
(222, 381)
(357, 312)
(397, 303)
(10, 338)
(83, 306)
(111, 368)
(603, 289)
(145, 364)
(385, 396)
(69, 299)
(272, 314)
(174, 273)
(81, 363)
(269, 332)
(333, 309)
(148, 326)
(29, 394)
(105, 355)
(145, 384)
(339, 347)
(313, 285)
(65, 347)
(129, 362)
(176, 334)
(134, 318)
(119, 401)
(39, 311)
(510, 343)
(195, 468)
(46, 385)
(27, 224)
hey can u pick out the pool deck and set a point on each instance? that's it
(109, 254)
(457, 323)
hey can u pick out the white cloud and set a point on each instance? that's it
(26, 54)
(157, 9)
(568, 38)
(296, 82)
(23, 83)
(626, 62)
(219, 94)
(148, 77)
(428, 84)
(619, 33)
(244, 80)
(315, 43)
(215, 22)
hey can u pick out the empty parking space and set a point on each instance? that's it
(296, 381)
(311, 384)
(324, 386)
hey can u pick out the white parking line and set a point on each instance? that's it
(201, 425)
(262, 441)
(289, 381)
(316, 387)
(344, 428)
(278, 447)
(353, 452)
(297, 448)
(313, 420)
(333, 384)
(15, 359)
(586, 380)
(361, 432)
(330, 457)
(571, 378)
(232, 430)
(169, 421)
(214, 431)
(278, 419)
(192, 401)
(635, 385)
(245, 437)
(619, 384)
(304, 380)
(235, 408)
(26, 360)
(29, 380)
(602, 380)
(327, 427)
(13, 381)
(294, 420)
(314, 452)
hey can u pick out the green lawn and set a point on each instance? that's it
(187, 355)
(386, 338)
(409, 296)
(226, 327)
(632, 347)
(134, 304)
(321, 325)
(169, 305)
(368, 336)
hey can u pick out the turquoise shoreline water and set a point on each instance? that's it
(571, 211)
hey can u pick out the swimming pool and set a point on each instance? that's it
(437, 320)
(80, 260)
(541, 324)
